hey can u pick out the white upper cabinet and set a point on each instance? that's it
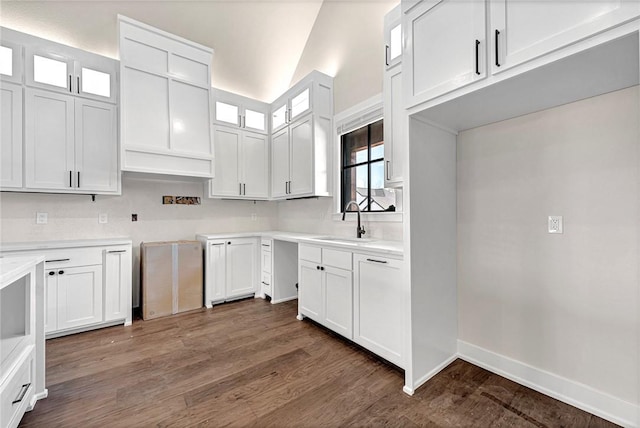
(393, 37)
(82, 74)
(447, 47)
(10, 62)
(301, 140)
(240, 112)
(165, 102)
(523, 30)
(10, 135)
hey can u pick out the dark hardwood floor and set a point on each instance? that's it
(250, 363)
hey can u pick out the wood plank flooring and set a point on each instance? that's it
(250, 363)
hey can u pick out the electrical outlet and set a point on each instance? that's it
(42, 218)
(103, 218)
(555, 224)
(134, 217)
(254, 217)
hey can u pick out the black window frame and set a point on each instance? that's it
(344, 196)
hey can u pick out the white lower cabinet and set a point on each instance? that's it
(231, 268)
(378, 316)
(326, 288)
(86, 287)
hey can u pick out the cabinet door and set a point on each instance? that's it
(51, 301)
(255, 119)
(338, 301)
(265, 261)
(255, 165)
(227, 152)
(310, 300)
(117, 284)
(300, 104)
(445, 48)
(226, 113)
(96, 78)
(395, 119)
(280, 163)
(49, 70)
(190, 119)
(241, 267)
(379, 307)
(10, 135)
(524, 30)
(79, 296)
(215, 272)
(301, 157)
(10, 62)
(279, 117)
(49, 140)
(96, 146)
(393, 37)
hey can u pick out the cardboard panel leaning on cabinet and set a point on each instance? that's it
(171, 276)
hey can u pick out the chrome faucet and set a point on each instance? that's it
(360, 229)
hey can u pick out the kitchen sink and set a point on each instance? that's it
(344, 240)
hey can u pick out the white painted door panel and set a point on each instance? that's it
(241, 267)
(379, 307)
(310, 300)
(51, 301)
(190, 119)
(227, 149)
(394, 127)
(10, 135)
(444, 38)
(338, 301)
(49, 140)
(117, 284)
(96, 146)
(255, 165)
(301, 147)
(216, 271)
(79, 296)
(529, 29)
(280, 163)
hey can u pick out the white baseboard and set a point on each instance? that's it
(410, 390)
(286, 299)
(574, 393)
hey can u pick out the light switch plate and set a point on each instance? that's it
(42, 218)
(103, 218)
(555, 224)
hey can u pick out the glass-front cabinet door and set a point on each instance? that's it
(50, 71)
(10, 62)
(300, 104)
(279, 117)
(94, 81)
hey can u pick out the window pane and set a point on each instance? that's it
(254, 119)
(355, 186)
(50, 71)
(354, 147)
(278, 116)
(96, 82)
(6, 61)
(396, 42)
(381, 198)
(377, 151)
(226, 113)
(376, 132)
(300, 103)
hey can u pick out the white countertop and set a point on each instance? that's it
(46, 245)
(14, 267)
(368, 245)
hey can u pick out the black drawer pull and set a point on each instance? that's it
(376, 261)
(265, 283)
(116, 251)
(57, 260)
(266, 245)
(60, 272)
(51, 273)
(23, 392)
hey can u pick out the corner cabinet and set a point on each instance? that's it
(87, 285)
(301, 139)
(231, 268)
(395, 117)
(165, 102)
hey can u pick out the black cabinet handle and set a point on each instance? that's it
(51, 273)
(317, 267)
(376, 261)
(78, 88)
(477, 58)
(116, 251)
(321, 267)
(229, 243)
(60, 272)
(57, 260)
(240, 189)
(386, 55)
(70, 178)
(23, 392)
(244, 189)
(70, 90)
(497, 50)
(78, 179)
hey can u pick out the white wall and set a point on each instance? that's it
(568, 303)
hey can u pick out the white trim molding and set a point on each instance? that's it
(568, 391)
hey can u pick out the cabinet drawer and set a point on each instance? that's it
(72, 257)
(266, 244)
(266, 261)
(337, 258)
(266, 284)
(309, 253)
(17, 392)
